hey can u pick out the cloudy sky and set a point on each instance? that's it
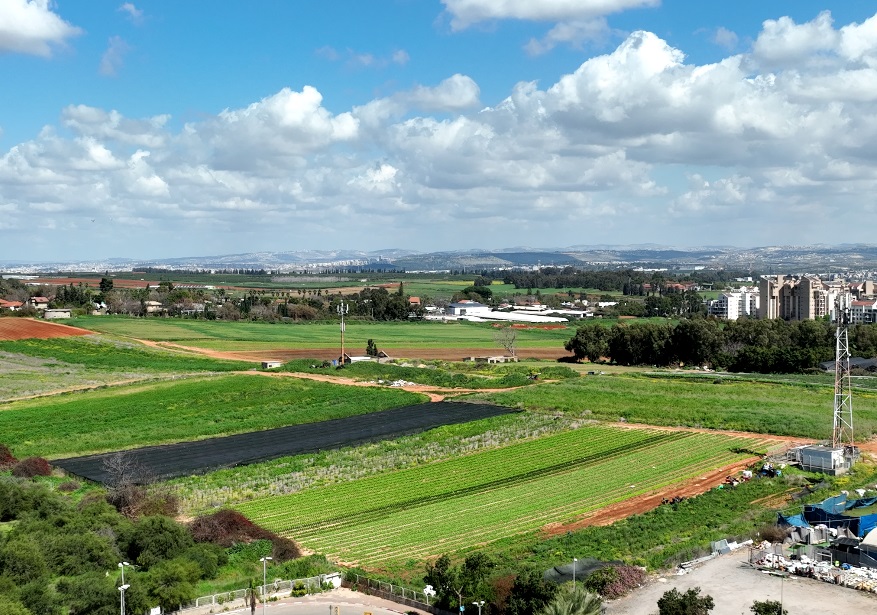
(165, 128)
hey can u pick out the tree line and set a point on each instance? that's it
(765, 346)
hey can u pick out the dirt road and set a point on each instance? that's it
(735, 587)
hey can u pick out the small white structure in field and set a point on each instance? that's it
(57, 314)
(271, 364)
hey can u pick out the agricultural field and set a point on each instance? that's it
(491, 495)
(187, 409)
(782, 408)
(33, 367)
(186, 458)
(239, 336)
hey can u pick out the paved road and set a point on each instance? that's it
(348, 603)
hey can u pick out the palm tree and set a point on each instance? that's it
(574, 600)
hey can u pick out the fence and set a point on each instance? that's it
(237, 598)
(396, 593)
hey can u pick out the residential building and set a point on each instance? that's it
(734, 304)
(863, 312)
(797, 297)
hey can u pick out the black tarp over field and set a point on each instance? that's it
(184, 458)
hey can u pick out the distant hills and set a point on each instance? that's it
(778, 259)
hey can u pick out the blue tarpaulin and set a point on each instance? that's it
(793, 520)
(829, 512)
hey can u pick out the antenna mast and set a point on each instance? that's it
(842, 433)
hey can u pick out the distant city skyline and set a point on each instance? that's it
(153, 130)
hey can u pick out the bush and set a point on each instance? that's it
(68, 486)
(773, 533)
(7, 459)
(31, 467)
(615, 581)
(228, 527)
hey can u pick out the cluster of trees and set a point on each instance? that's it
(626, 281)
(61, 556)
(767, 346)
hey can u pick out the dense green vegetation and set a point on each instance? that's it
(766, 346)
(140, 415)
(762, 407)
(59, 554)
(490, 495)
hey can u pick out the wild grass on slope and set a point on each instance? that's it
(111, 355)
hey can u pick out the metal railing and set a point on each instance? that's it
(238, 598)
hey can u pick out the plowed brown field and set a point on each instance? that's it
(27, 328)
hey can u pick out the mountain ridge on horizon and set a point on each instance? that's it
(857, 255)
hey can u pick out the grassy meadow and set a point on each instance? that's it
(782, 408)
(188, 409)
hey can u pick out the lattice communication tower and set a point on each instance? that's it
(842, 433)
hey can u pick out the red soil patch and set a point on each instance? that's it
(27, 328)
(644, 503)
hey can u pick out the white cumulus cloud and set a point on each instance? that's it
(465, 13)
(30, 26)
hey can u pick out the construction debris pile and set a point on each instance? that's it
(765, 558)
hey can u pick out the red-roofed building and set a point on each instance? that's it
(38, 303)
(12, 306)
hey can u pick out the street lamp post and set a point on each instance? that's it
(342, 309)
(575, 560)
(264, 561)
(122, 567)
(122, 589)
(479, 604)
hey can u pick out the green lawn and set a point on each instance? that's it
(763, 407)
(159, 413)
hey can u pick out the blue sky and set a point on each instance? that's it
(167, 128)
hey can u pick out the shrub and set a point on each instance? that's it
(615, 581)
(68, 486)
(773, 533)
(7, 459)
(31, 467)
(228, 527)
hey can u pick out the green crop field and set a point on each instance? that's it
(389, 519)
(763, 407)
(257, 336)
(190, 409)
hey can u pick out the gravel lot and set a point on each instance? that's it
(734, 586)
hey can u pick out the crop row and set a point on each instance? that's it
(355, 520)
(450, 476)
(493, 515)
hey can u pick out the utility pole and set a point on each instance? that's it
(842, 432)
(343, 308)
